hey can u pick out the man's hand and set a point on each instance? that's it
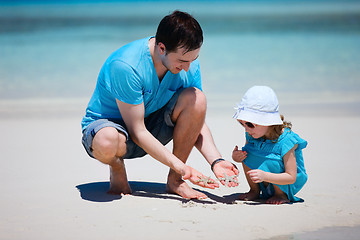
(198, 178)
(225, 167)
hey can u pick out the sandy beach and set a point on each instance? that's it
(51, 189)
(50, 56)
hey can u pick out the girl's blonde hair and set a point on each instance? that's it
(277, 130)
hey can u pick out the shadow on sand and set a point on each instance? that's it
(97, 192)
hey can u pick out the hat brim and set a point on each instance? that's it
(260, 118)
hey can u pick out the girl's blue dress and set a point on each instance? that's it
(268, 156)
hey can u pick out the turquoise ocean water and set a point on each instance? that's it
(308, 51)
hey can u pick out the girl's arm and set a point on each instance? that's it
(288, 177)
(238, 155)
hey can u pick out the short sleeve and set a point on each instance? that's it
(125, 83)
(289, 142)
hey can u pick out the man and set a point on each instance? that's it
(149, 92)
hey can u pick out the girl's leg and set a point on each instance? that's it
(254, 192)
(279, 197)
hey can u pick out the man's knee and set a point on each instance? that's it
(193, 97)
(107, 144)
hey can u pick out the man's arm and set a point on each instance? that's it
(133, 116)
(206, 145)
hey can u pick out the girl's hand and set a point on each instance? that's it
(198, 178)
(238, 155)
(256, 175)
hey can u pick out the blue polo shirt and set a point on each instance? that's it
(129, 75)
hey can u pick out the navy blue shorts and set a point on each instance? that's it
(158, 123)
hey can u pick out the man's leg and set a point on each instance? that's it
(109, 145)
(189, 117)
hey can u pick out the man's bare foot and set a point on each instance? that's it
(181, 188)
(118, 181)
(278, 199)
(249, 196)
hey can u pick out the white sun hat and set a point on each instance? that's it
(260, 106)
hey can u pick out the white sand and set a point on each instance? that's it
(51, 189)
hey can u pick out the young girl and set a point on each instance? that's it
(272, 156)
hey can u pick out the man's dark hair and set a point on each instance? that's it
(178, 30)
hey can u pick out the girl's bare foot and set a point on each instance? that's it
(118, 180)
(249, 196)
(278, 199)
(180, 187)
